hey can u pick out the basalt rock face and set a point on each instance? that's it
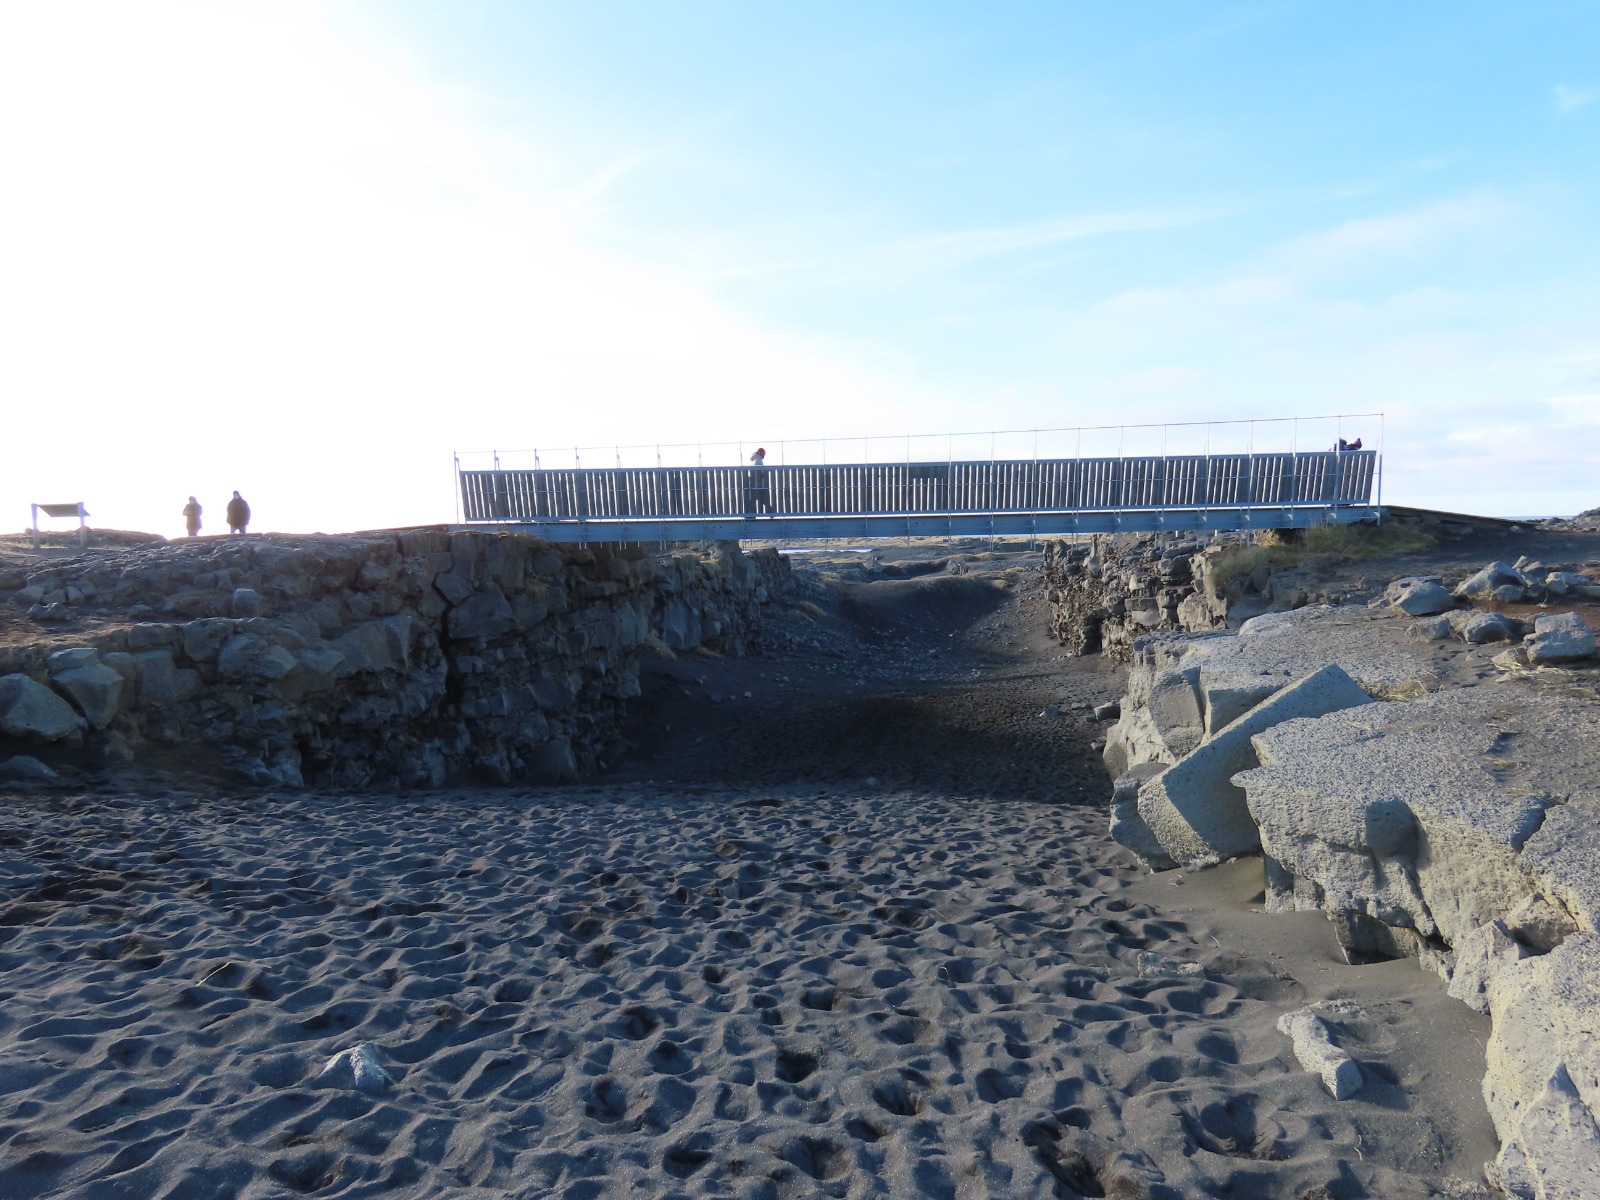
(407, 657)
(1436, 795)
(1108, 591)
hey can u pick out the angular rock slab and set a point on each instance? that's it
(1420, 597)
(1484, 582)
(1195, 811)
(95, 688)
(1128, 828)
(25, 766)
(30, 710)
(1368, 644)
(1417, 813)
(1480, 627)
(1317, 1053)
(248, 658)
(1560, 637)
(1542, 1087)
(1563, 858)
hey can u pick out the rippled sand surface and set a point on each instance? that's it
(633, 992)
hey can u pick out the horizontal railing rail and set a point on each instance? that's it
(1068, 485)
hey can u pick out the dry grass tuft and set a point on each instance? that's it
(1352, 541)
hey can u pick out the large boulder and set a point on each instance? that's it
(1570, 583)
(1560, 637)
(204, 638)
(1163, 718)
(1561, 858)
(1542, 1086)
(1419, 597)
(30, 710)
(383, 645)
(1226, 699)
(1128, 828)
(251, 659)
(1437, 815)
(161, 681)
(1482, 584)
(26, 767)
(1480, 627)
(1194, 809)
(96, 690)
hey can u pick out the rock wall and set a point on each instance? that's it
(408, 657)
(1108, 591)
(1105, 592)
(1360, 753)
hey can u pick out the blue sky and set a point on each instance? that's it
(309, 249)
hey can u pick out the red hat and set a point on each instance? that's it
(760, 450)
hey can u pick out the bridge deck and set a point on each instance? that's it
(1233, 491)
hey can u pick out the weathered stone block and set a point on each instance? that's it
(1195, 810)
(1481, 627)
(1174, 708)
(1226, 702)
(1422, 598)
(30, 710)
(161, 681)
(1128, 828)
(247, 658)
(1496, 574)
(75, 656)
(553, 762)
(454, 586)
(1545, 1037)
(202, 639)
(25, 766)
(95, 689)
(148, 636)
(1560, 637)
(382, 645)
(123, 664)
(1317, 1053)
(484, 614)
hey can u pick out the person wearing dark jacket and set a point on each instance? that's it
(760, 494)
(191, 516)
(238, 514)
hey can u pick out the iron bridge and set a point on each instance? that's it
(959, 498)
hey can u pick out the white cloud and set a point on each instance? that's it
(1385, 241)
(1009, 239)
(1576, 411)
(1569, 98)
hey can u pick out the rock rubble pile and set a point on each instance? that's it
(1106, 592)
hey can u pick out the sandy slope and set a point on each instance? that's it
(767, 978)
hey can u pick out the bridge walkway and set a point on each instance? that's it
(956, 498)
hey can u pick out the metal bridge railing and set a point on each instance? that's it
(1181, 482)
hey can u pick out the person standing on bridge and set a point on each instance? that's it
(238, 514)
(760, 494)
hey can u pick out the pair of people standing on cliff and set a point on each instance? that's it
(238, 515)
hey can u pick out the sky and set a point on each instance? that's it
(312, 250)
